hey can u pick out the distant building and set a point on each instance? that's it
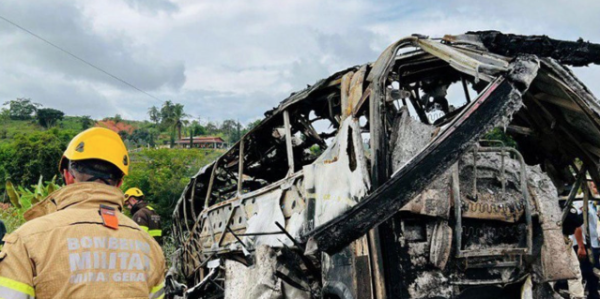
(202, 142)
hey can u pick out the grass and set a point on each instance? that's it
(71, 123)
(9, 128)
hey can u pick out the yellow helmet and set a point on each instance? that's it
(133, 192)
(97, 143)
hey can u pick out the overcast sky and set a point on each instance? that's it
(235, 58)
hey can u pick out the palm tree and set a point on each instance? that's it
(173, 117)
(177, 118)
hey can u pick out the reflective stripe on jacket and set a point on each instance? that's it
(158, 292)
(148, 220)
(12, 289)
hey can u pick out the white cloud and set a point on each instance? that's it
(235, 58)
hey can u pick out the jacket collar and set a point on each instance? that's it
(138, 206)
(78, 195)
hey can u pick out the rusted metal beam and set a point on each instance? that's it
(193, 195)
(240, 168)
(378, 142)
(573, 192)
(376, 94)
(310, 131)
(376, 259)
(236, 237)
(285, 232)
(224, 231)
(457, 208)
(419, 109)
(362, 101)
(210, 183)
(466, 89)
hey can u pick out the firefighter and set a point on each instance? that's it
(143, 214)
(77, 243)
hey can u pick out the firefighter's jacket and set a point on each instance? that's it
(148, 220)
(72, 253)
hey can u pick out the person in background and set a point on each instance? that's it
(584, 246)
(593, 222)
(143, 214)
(571, 225)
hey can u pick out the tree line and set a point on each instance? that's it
(166, 124)
(25, 109)
(27, 154)
(173, 119)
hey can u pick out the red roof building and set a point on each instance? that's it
(202, 142)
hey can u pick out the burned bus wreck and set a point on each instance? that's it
(381, 182)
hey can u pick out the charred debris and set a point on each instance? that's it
(377, 182)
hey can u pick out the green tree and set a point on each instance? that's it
(166, 113)
(21, 108)
(197, 129)
(211, 128)
(155, 115)
(48, 117)
(86, 122)
(124, 134)
(178, 118)
(194, 129)
(232, 129)
(30, 155)
(143, 136)
(228, 125)
(253, 124)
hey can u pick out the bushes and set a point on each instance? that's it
(30, 156)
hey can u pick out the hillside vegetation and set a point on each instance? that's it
(33, 138)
